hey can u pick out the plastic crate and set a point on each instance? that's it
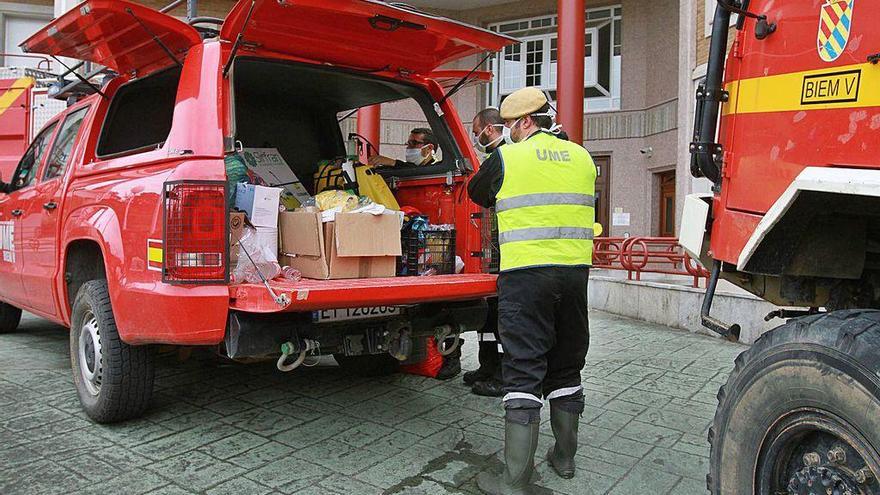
(427, 252)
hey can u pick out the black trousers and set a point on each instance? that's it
(543, 325)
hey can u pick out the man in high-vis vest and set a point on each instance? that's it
(543, 191)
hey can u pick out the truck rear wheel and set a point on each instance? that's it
(114, 380)
(10, 317)
(799, 413)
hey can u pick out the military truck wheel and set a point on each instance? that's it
(799, 413)
(10, 317)
(114, 380)
(371, 365)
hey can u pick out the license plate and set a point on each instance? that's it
(345, 314)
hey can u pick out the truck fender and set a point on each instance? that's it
(842, 183)
(100, 225)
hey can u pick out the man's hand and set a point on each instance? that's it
(381, 161)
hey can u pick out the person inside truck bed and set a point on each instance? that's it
(421, 150)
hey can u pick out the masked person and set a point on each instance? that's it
(421, 150)
(543, 190)
(486, 380)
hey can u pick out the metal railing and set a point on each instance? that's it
(637, 255)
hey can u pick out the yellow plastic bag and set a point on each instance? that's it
(373, 186)
(329, 177)
(328, 200)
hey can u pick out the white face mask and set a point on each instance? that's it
(414, 155)
(506, 132)
(484, 148)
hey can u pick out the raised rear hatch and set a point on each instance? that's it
(366, 34)
(122, 35)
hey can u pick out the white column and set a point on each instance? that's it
(687, 54)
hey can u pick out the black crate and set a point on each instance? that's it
(427, 252)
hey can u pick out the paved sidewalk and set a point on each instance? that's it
(248, 429)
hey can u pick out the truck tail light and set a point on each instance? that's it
(196, 233)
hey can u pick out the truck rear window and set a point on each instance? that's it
(140, 114)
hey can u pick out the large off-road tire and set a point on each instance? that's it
(370, 365)
(801, 411)
(10, 317)
(114, 380)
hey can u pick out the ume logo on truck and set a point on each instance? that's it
(834, 28)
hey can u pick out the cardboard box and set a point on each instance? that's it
(236, 229)
(269, 165)
(260, 203)
(355, 245)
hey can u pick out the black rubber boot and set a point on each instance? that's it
(451, 363)
(520, 442)
(565, 429)
(488, 388)
(486, 356)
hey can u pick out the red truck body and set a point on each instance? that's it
(830, 111)
(110, 209)
(786, 129)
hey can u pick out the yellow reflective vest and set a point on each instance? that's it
(546, 204)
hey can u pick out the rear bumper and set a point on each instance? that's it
(311, 295)
(255, 335)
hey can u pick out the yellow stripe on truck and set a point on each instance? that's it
(12, 94)
(154, 254)
(852, 86)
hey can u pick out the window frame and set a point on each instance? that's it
(49, 131)
(610, 16)
(709, 18)
(84, 110)
(109, 112)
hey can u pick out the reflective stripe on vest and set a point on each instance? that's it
(544, 199)
(545, 207)
(544, 233)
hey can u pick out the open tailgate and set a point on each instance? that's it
(311, 295)
(366, 34)
(117, 34)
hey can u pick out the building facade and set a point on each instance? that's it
(642, 62)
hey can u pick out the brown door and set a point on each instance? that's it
(667, 204)
(603, 189)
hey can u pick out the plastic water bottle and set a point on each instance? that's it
(291, 274)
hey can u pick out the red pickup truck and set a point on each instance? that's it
(115, 222)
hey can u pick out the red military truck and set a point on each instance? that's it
(116, 222)
(794, 218)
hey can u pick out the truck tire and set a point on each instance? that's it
(801, 411)
(114, 380)
(10, 317)
(370, 365)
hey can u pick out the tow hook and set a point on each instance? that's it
(443, 332)
(288, 349)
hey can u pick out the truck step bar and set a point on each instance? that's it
(730, 332)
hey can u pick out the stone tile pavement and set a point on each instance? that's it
(219, 428)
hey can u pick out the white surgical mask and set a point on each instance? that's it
(414, 155)
(484, 148)
(505, 132)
